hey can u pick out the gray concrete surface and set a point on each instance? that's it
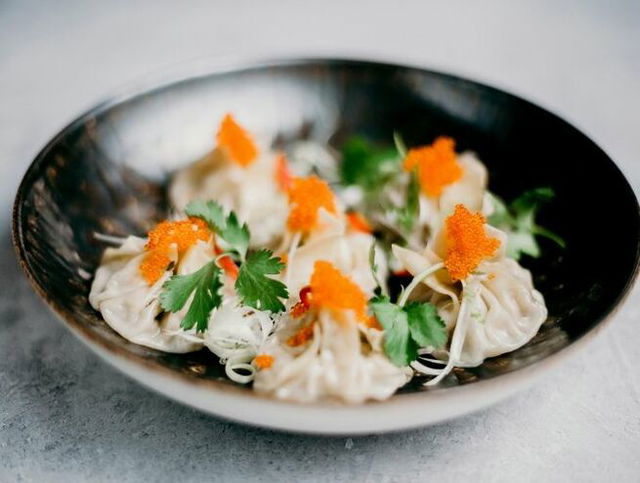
(66, 416)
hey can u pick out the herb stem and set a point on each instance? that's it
(292, 250)
(417, 280)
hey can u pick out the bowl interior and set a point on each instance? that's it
(107, 171)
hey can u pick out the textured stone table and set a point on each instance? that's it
(65, 415)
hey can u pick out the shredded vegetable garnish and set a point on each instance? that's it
(181, 233)
(304, 334)
(263, 361)
(283, 175)
(437, 165)
(306, 197)
(331, 289)
(467, 242)
(358, 222)
(232, 137)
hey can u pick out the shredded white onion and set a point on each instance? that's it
(235, 335)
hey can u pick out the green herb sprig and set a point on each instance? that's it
(518, 220)
(254, 286)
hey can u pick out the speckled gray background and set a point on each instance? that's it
(66, 416)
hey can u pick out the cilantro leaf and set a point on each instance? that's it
(518, 221)
(366, 166)
(408, 328)
(204, 284)
(210, 211)
(234, 236)
(255, 288)
(398, 345)
(425, 325)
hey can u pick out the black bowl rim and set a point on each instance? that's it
(134, 90)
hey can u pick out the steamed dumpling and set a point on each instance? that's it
(494, 311)
(131, 306)
(250, 191)
(343, 361)
(329, 347)
(347, 249)
(469, 190)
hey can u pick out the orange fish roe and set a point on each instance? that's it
(467, 242)
(263, 361)
(283, 175)
(331, 289)
(373, 323)
(306, 197)
(357, 222)
(236, 141)
(303, 335)
(181, 233)
(437, 165)
(154, 265)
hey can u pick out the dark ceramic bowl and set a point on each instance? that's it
(107, 171)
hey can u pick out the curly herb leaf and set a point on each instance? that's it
(425, 325)
(366, 166)
(518, 221)
(408, 328)
(255, 288)
(398, 343)
(234, 236)
(204, 284)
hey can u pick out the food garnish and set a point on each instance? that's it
(255, 288)
(358, 222)
(283, 175)
(331, 289)
(234, 236)
(253, 285)
(366, 166)
(181, 234)
(204, 284)
(306, 197)
(302, 335)
(236, 141)
(263, 361)
(437, 165)
(407, 328)
(467, 242)
(302, 307)
(518, 221)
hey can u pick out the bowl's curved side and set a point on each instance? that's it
(80, 183)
